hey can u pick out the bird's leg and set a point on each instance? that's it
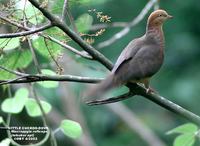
(146, 85)
(148, 88)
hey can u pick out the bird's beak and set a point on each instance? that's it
(169, 17)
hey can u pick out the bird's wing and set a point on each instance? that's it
(145, 63)
(129, 52)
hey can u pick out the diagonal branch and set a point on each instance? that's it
(12, 72)
(169, 105)
(85, 55)
(64, 11)
(12, 22)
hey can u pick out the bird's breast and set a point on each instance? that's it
(155, 35)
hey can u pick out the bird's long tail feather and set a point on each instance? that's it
(98, 90)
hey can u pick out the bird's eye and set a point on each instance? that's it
(160, 15)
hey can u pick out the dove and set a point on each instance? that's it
(140, 60)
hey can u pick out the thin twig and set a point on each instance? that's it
(40, 106)
(85, 55)
(53, 56)
(13, 23)
(71, 19)
(12, 72)
(34, 55)
(4, 82)
(64, 11)
(44, 118)
(126, 29)
(25, 33)
(62, 78)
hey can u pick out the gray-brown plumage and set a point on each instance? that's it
(140, 60)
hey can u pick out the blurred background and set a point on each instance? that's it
(136, 121)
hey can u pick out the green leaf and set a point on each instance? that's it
(185, 140)
(52, 49)
(1, 120)
(22, 92)
(84, 22)
(71, 128)
(5, 142)
(9, 44)
(48, 84)
(33, 108)
(186, 128)
(14, 60)
(16, 104)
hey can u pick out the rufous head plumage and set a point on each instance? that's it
(158, 17)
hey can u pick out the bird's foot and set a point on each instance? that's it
(150, 90)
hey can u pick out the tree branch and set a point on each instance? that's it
(169, 105)
(126, 29)
(25, 33)
(12, 72)
(12, 22)
(44, 117)
(28, 78)
(34, 55)
(62, 78)
(83, 54)
(64, 11)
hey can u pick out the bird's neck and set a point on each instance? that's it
(155, 33)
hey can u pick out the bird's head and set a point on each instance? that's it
(158, 17)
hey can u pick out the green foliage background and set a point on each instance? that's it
(178, 80)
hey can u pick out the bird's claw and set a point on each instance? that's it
(150, 90)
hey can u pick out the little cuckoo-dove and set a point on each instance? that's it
(141, 58)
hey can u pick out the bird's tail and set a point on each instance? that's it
(98, 90)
